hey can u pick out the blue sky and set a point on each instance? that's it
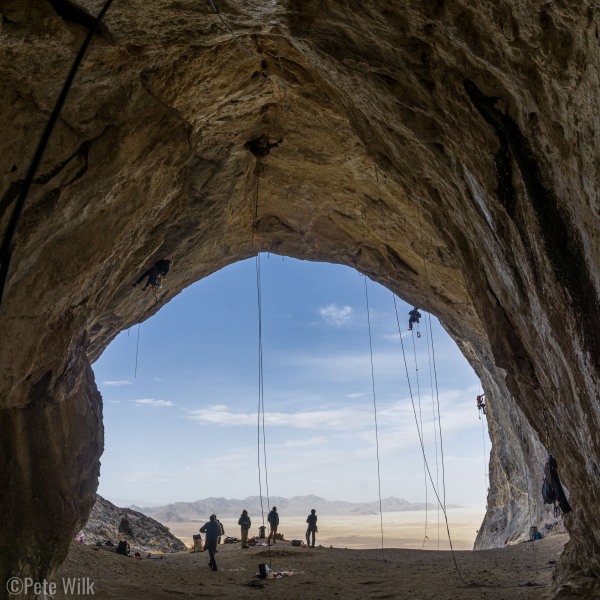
(185, 427)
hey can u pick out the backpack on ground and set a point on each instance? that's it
(123, 548)
(198, 547)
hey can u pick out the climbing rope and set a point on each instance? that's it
(427, 328)
(6, 250)
(429, 331)
(375, 417)
(485, 473)
(213, 9)
(531, 525)
(384, 223)
(137, 350)
(435, 489)
(261, 391)
(437, 394)
(422, 432)
(435, 431)
(261, 403)
(442, 505)
(258, 170)
(374, 410)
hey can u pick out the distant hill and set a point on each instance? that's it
(109, 522)
(200, 510)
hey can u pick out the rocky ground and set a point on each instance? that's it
(515, 572)
(112, 523)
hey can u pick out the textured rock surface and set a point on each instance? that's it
(109, 522)
(448, 150)
(516, 473)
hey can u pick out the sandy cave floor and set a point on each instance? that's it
(319, 573)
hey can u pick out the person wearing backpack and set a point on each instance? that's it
(213, 530)
(244, 522)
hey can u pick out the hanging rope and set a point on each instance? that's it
(485, 474)
(258, 171)
(137, 350)
(533, 541)
(435, 431)
(443, 505)
(261, 404)
(6, 250)
(531, 525)
(428, 326)
(437, 394)
(260, 413)
(384, 223)
(428, 317)
(375, 418)
(422, 433)
(435, 489)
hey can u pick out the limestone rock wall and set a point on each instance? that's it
(50, 449)
(448, 150)
(516, 471)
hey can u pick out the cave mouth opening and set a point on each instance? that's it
(190, 373)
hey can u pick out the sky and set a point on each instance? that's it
(183, 426)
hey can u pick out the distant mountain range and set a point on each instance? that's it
(200, 510)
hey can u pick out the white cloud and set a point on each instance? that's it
(115, 401)
(342, 418)
(117, 382)
(152, 402)
(336, 315)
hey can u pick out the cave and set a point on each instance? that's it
(448, 151)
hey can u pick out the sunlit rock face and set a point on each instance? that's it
(448, 150)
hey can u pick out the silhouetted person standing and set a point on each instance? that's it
(213, 530)
(273, 519)
(312, 528)
(244, 522)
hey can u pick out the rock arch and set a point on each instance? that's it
(449, 152)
